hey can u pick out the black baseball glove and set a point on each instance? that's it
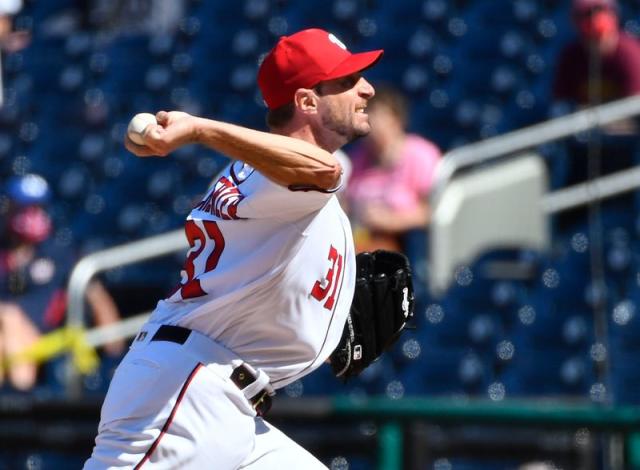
(383, 303)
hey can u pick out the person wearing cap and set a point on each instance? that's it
(267, 284)
(33, 275)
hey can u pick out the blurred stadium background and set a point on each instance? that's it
(525, 350)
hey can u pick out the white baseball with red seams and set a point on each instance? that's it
(137, 126)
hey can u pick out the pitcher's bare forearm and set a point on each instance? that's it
(285, 160)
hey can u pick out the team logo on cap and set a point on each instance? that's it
(337, 41)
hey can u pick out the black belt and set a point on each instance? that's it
(241, 375)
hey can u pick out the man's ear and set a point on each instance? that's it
(306, 100)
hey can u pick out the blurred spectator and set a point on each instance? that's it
(33, 274)
(603, 63)
(11, 40)
(131, 16)
(115, 17)
(387, 195)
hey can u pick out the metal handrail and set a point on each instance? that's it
(125, 328)
(531, 136)
(583, 193)
(121, 255)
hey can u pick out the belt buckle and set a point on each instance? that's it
(261, 403)
(243, 376)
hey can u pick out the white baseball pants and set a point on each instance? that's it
(173, 406)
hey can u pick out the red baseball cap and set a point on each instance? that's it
(305, 59)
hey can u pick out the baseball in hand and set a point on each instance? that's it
(137, 125)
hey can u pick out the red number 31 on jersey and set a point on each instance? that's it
(330, 282)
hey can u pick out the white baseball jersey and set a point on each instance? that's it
(270, 273)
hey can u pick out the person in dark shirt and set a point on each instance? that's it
(603, 64)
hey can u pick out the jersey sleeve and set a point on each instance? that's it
(241, 192)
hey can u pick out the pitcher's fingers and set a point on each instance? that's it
(153, 134)
(162, 117)
(138, 150)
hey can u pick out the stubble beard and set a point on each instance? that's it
(347, 131)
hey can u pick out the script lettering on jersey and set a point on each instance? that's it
(222, 201)
(329, 285)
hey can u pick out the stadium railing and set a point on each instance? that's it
(517, 144)
(532, 136)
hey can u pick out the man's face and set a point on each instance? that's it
(28, 224)
(596, 23)
(342, 106)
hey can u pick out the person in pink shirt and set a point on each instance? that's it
(387, 194)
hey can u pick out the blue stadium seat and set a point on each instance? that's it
(44, 61)
(625, 378)
(476, 464)
(350, 462)
(218, 13)
(449, 326)
(49, 460)
(422, 43)
(624, 344)
(538, 372)
(78, 45)
(441, 371)
(542, 324)
(624, 321)
(246, 42)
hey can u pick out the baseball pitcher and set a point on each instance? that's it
(267, 290)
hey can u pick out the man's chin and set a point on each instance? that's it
(353, 133)
(361, 131)
(358, 135)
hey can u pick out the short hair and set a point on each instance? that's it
(281, 116)
(392, 99)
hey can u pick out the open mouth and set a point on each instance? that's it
(361, 109)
